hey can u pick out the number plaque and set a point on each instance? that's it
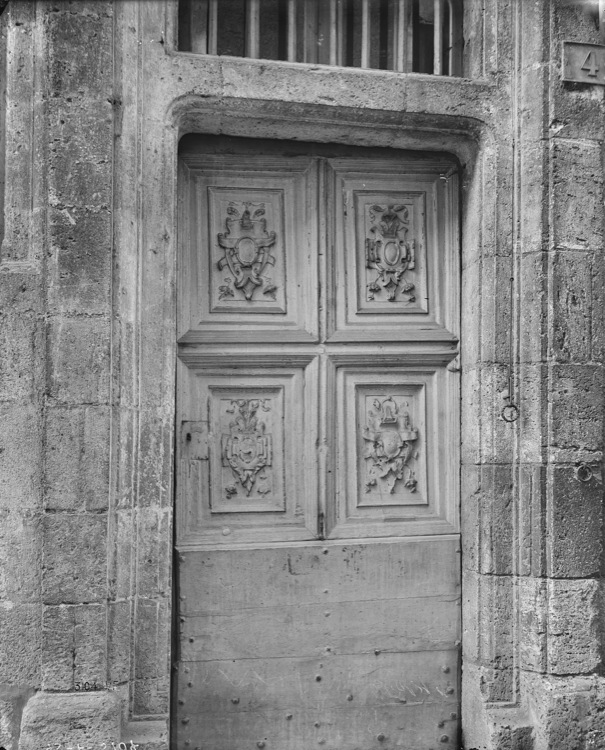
(584, 63)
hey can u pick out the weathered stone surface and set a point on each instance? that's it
(577, 420)
(20, 645)
(20, 556)
(119, 641)
(12, 701)
(567, 712)
(147, 735)
(67, 719)
(75, 558)
(77, 458)
(73, 650)
(20, 454)
(573, 626)
(578, 194)
(575, 533)
(79, 360)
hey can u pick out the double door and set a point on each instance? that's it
(317, 449)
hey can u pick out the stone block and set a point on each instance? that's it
(20, 556)
(153, 550)
(533, 312)
(574, 539)
(20, 456)
(578, 194)
(573, 626)
(496, 649)
(471, 315)
(20, 644)
(58, 648)
(75, 559)
(533, 624)
(147, 735)
(77, 458)
(73, 646)
(80, 181)
(470, 421)
(147, 640)
(571, 299)
(532, 399)
(69, 719)
(79, 360)
(79, 51)
(532, 520)
(495, 293)
(471, 583)
(119, 641)
(90, 640)
(121, 535)
(576, 419)
(567, 711)
(81, 241)
(496, 435)
(496, 519)
(156, 448)
(12, 701)
(470, 501)
(21, 341)
(151, 696)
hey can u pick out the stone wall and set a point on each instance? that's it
(97, 100)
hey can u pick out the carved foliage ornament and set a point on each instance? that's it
(247, 450)
(390, 445)
(389, 253)
(246, 244)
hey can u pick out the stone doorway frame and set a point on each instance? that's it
(155, 280)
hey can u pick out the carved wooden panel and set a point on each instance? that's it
(244, 454)
(248, 249)
(394, 265)
(396, 466)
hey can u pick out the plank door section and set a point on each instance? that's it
(317, 451)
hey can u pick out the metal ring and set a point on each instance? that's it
(584, 472)
(510, 413)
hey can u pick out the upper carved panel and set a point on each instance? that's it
(394, 266)
(391, 232)
(247, 261)
(248, 249)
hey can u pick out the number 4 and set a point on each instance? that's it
(590, 64)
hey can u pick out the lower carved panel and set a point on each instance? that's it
(393, 447)
(396, 468)
(245, 457)
(251, 477)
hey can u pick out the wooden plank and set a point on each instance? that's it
(216, 581)
(370, 681)
(392, 625)
(401, 727)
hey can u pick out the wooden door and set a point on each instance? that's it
(317, 450)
